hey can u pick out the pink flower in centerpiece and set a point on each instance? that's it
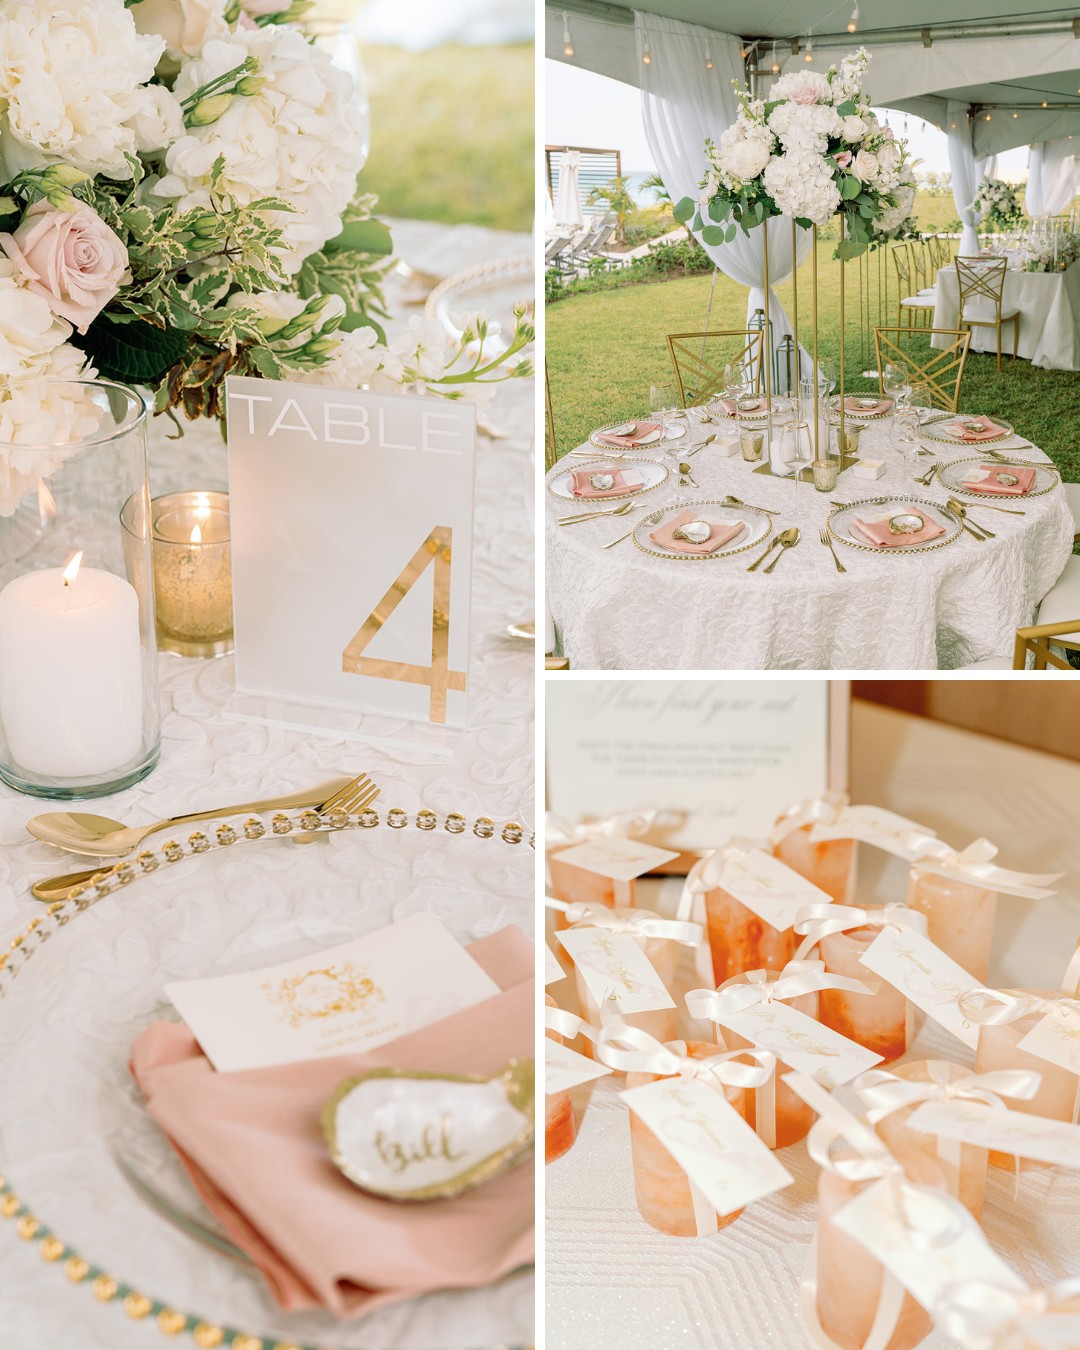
(70, 258)
(804, 87)
(844, 158)
(887, 133)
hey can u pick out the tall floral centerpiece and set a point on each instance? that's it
(997, 205)
(813, 149)
(179, 201)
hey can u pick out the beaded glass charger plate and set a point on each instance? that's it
(561, 483)
(860, 409)
(758, 413)
(651, 439)
(757, 526)
(952, 476)
(86, 1176)
(946, 431)
(497, 287)
(902, 511)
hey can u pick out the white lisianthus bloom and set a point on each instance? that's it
(801, 86)
(852, 129)
(72, 80)
(802, 186)
(298, 138)
(186, 25)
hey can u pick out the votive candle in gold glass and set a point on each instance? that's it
(193, 573)
(876, 1021)
(825, 862)
(960, 917)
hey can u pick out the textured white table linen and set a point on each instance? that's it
(243, 903)
(620, 609)
(1049, 305)
(615, 1283)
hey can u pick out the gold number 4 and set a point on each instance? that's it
(436, 549)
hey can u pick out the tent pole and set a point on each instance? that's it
(843, 266)
(795, 305)
(814, 308)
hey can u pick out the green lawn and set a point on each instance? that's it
(452, 134)
(605, 349)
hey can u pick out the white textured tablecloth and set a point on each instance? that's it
(615, 1283)
(1049, 305)
(620, 609)
(245, 902)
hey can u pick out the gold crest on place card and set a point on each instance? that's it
(411, 1135)
(329, 992)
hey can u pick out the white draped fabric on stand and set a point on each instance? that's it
(986, 168)
(1053, 170)
(682, 104)
(568, 196)
(965, 176)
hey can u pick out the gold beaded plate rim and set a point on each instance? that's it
(657, 517)
(968, 445)
(714, 408)
(644, 446)
(1049, 469)
(561, 472)
(28, 1227)
(886, 502)
(859, 416)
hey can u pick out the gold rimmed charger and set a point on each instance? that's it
(653, 442)
(759, 527)
(937, 432)
(840, 518)
(952, 476)
(560, 480)
(716, 409)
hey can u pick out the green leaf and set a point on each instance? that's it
(698, 222)
(719, 209)
(803, 223)
(733, 230)
(684, 209)
(362, 236)
(131, 352)
(849, 248)
(850, 187)
(714, 234)
(866, 210)
(759, 211)
(847, 109)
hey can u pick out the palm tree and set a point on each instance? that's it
(616, 196)
(655, 184)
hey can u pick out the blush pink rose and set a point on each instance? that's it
(844, 158)
(71, 258)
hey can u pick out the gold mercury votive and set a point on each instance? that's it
(193, 573)
(752, 442)
(825, 471)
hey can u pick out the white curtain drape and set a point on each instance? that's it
(1053, 171)
(986, 168)
(683, 103)
(568, 196)
(965, 178)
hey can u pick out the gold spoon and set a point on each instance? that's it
(596, 515)
(734, 501)
(686, 475)
(958, 508)
(788, 539)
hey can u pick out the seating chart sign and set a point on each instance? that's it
(352, 519)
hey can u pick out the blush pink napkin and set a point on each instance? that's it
(730, 406)
(721, 535)
(878, 532)
(583, 488)
(252, 1144)
(990, 429)
(991, 487)
(641, 430)
(882, 405)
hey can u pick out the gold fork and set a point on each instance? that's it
(355, 796)
(826, 539)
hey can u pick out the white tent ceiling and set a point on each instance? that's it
(1000, 56)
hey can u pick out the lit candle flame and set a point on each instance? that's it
(46, 503)
(196, 534)
(71, 571)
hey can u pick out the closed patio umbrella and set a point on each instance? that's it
(568, 197)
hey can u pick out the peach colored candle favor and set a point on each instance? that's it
(560, 1127)
(828, 863)
(960, 915)
(739, 940)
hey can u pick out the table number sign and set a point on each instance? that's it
(352, 518)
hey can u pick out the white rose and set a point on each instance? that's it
(72, 77)
(865, 166)
(160, 123)
(186, 25)
(852, 129)
(745, 156)
(889, 157)
(299, 138)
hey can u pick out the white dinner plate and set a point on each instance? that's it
(560, 484)
(758, 527)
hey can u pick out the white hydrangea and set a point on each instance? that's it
(892, 216)
(299, 138)
(72, 84)
(802, 126)
(802, 186)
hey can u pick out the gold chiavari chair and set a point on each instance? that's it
(940, 370)
(1040, 638)
(982, 285)
(909, 303)
(922, 266)
(700, 373)
(550, 453)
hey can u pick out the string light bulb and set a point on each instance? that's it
(988, 117)
(567, 44)
(853, 22)
(1045, 104)
(775, 62)
(708, 59)
(1015, 116)
(646, 55)
(808, 56)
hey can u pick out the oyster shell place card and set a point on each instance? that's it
(924, 975)
(337, 1001)
(411, 1135)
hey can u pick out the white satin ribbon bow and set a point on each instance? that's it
(974, 864)
(628, 824)
(984, 1316)
(641, 923)
(819, 921)
(823, 810)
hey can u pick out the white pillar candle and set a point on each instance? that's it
(70, 671)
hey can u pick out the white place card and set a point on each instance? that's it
(1056, 1037)
(873, 825)
(351, 520)
(1049, 1141)
(926, 976)
(552, 970)
(710, 1141)
(616, 858)
(714, 758)
(617, 973)
(802, 1042)
(565, 1068)
(341, 1000)
(928, 1244)
(769, 888)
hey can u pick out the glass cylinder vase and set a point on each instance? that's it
(661, 1186)
(828, 863)
(660, 1023)
(79, 708)
(876, 1021)
(960, 916)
